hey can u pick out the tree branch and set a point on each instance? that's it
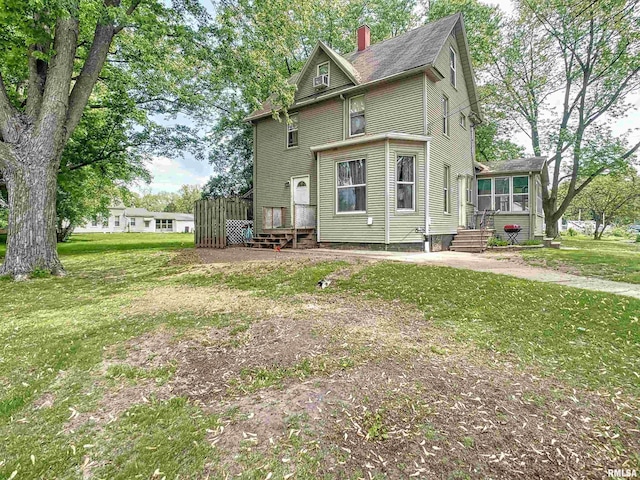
(89, 74)
(55, 98)
(8, 115)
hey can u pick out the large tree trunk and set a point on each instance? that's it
(31, 241)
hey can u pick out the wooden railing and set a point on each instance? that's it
(273, 217)
(304, 216)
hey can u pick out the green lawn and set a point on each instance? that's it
(57, 335)
(610, 258)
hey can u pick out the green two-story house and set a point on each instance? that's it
(378, 148)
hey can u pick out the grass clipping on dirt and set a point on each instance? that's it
(137, 365)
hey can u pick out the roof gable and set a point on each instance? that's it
(415, 49)
(341, 72)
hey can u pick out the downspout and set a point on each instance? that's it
(344, 117)
(427, 163)
(427, 204)
(318, 197)
(386, 193)
(254, 173)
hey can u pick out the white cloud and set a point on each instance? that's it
(169, 174)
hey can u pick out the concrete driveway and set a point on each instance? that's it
(496, 263)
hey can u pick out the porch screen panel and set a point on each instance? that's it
(352, 186)
(520, 194)
(502, 196)
(484, 194)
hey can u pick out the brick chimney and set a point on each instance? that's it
(364, 37)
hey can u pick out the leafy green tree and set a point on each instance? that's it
(61, 58)
(586, 56)
(260, 45)
(609, 199)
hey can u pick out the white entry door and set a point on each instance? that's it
(462, 201)
(301, 213)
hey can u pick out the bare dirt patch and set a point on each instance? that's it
(370, 388)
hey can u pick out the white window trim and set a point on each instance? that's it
(445, 115)
(328, 64)
(454, 66)
(490, 195)
(469, 190)
(354, 212)
(288, 125)
(493, 194)
(528, 194)
(349, 118)
(463, 121)
(413, 195)
(446, 188)
(132, 221)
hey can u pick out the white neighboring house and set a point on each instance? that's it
(141, 220)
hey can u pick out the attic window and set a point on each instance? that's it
(452, 66)
(323, 69)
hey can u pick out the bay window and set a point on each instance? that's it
(405, 182)
(351, 186)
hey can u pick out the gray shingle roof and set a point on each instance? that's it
(517, 165)
(413, 49)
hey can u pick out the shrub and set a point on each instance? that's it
(497, 242)
(638, 238)
(572, 233)
(532, 241)
(619, 232)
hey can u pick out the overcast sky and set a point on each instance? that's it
(170, 173)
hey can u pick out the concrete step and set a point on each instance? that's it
(467, 249)
(463, 243)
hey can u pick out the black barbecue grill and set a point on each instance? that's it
(512, 231)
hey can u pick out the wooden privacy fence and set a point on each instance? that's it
(211, 217)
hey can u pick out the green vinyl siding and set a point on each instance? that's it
(522, 219)
(453, 150)
(402, 225)
(337, 78)
(275, 164)
(395, 107)
(352, 227)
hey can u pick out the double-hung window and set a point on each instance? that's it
(356, 116)
(292, 131)
(447, 189)
(445, 115)
(484, 194)
(452, 66)
(520, 194)
(117, 221)
(469, 189)
(323, 69)
(132, 222)
(463, 120)
(351, 186)
(502, 195)
(405, 182)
